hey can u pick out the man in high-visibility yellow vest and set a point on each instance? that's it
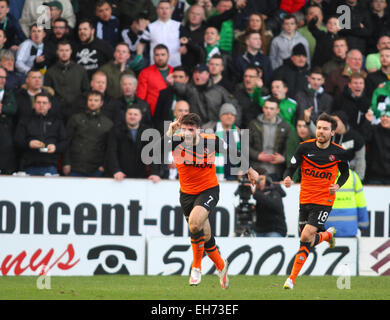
(349, 210)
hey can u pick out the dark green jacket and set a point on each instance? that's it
(9, 108)
(87, 136)
(114, 74)
(68, 82)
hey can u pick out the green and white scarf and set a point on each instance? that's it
(220, 157)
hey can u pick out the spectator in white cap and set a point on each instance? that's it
(33, 10)
(226, 130)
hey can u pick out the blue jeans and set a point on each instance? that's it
(94, 174)
(269, 234)
(41, 171)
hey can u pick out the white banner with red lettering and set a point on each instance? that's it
(71, 255)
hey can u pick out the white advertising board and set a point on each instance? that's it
(67, 206)
(252, 256)
(71, 255)
(374, 256)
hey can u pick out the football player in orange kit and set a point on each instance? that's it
(194, 156)
(319, 160)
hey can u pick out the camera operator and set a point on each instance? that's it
(270, 219)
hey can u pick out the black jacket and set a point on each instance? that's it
(373, 80)
(25, 105)
(124, 154)
(93, 55)
(259, 60)
(138, 103)
(13, 32)
(87, 137)
(195, 41)
(357, 36)
(323, 51)
(250, 109)
(295, 77)
(164, 111)
(380, 25)
(305, 100)
(8, 162)
(110, 108)
(270, 210)
(354, 107)
(48, 129)
(378, 154)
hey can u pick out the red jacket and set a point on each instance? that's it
(150, 83)
(291, 6)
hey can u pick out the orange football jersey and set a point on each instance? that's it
(196, 164)
(319, 169)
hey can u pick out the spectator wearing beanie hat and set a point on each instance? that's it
(294, 70)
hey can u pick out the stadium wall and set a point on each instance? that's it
(77, 226)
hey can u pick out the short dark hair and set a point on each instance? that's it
(35, 25)
(313, 5)
(42, 94)
(123, 44)
(86, 20)
(60, 19)
(182, 68)
(100, 3)
(317, 70)
(95, 93)
(356, 75)
(326, 117)
(5, 1)
(290, 16)
(283, 80)
(34, 69)
(383, 34)
(250, 32)
(217, 56)
(160, 46)
(333, 16)
(64, 42)
(273, 100)
(191, 119)
(340, 38)
(253, 67)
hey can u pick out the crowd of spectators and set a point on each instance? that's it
(80, 81)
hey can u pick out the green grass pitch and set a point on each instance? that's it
(119, 287)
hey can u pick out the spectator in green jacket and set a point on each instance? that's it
(288, 106)
(88, 133)
(380, 99)
(116, 68)
(67, 78)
